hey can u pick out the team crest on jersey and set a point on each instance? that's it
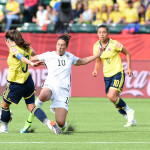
(119, 45)
(14, 50)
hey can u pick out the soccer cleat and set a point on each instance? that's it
(25, 128)
(130, 115)
(63, 129)
(3, 130)
(129, 124)
(55, 128)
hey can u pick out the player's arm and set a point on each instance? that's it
(86, 60)
(33, 53)
(22, 58)
(96, 67)
(128, 56)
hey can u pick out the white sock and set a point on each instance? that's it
(4, 125)
(47, 123)
(127, 108)
(125, 116)
(64, 126)
(39, 103)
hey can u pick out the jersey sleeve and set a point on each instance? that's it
(14, 51)
(95, 49)
(44, 56)
(74, 59)
(118, 46)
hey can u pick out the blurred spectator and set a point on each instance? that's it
(41, 15)
(131, 19)
(122, 5)
(115, 16)
(78, 11)
(87, 15)
(53, 2)
(93, 5)
(108, 3)
(50, 16)
(73, 3)
(56, 8)
(147, 16)
(12, 13)
(1, 16)
(142, 14)
(65, 16)
(1, 19)
(101, 17)
(30, 9)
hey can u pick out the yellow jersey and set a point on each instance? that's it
(12, 7)
(116, 16)
(131, 15)
(18, 71)
(110, 57)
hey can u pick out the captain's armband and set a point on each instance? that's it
(19, 55)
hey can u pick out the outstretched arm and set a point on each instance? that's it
(86, 60)
(128, 56)
(96, 67)
(29, 62)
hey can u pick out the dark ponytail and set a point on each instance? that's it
(16, 36)
(65, 37)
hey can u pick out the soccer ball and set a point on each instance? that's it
(11, 114)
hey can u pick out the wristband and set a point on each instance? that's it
(32, 63)
(19, 55)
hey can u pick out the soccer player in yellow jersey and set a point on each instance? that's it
(19, 81)
(113, 70)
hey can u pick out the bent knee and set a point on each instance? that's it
(112, 98)
(60, 123)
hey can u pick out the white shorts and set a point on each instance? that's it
(60, 97)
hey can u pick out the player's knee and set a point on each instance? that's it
(112, 97)
(60, 122)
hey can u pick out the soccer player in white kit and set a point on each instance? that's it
(57, 83)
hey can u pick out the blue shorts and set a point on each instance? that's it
(115, 82)
(15, 91)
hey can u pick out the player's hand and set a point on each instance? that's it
(94, 73)
(129, 72)
(101, 49)
(38, 63)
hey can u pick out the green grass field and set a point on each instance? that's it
(98, 126)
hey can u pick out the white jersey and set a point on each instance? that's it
(59, 68)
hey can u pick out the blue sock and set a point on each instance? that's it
(120, 103)
(5, 116)
(39, 113)
(121, 111)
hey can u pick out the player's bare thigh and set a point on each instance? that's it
(45, 94)
(113, 94)
(60, 116)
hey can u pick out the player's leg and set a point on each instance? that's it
(5, 117)
(59, 106)
(60, 117)
(39, 113)
(45, 95)
(113, 92)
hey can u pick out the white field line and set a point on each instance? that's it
(74, 142)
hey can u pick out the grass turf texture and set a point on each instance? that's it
(97, 125)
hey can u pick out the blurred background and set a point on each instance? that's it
(42, 21)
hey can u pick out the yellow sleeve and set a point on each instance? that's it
(95, 50)
(148, 14)
(14, 51)
(118, 46)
